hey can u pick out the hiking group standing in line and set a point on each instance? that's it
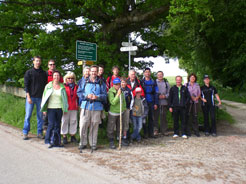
(144, 102)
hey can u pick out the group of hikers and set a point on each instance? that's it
(143, 102)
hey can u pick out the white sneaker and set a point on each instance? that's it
(184, 136)
(175, 136)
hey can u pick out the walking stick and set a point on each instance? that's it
(120, 122)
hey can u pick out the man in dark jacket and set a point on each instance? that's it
(151, 95)
(35, 80)
(178, 98)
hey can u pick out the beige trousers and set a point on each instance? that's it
(90, 119)
(69, 123)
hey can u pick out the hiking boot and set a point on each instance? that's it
(64, 140)
(138, 140)
(25, 136)
(73, 139)
(184, 136)
(40, 136)
(124, 142)
(156, 133)
(50, 145)
(197, 134)
(175, 136)
(81, 147)
(94, 148)
(111, 145)
(206, 134)
(214, 134)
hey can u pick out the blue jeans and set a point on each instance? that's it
(137, 126)
(53, 135)
(29, 109)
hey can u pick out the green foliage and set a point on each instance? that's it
(209, 37)
(23, 33)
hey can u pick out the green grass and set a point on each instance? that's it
(12, 111)
(228, 94)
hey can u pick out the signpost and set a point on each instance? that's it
(128, 47)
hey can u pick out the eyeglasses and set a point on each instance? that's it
(52, 64)
(70, 78)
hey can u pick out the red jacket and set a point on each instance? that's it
(50, 76)
(72, 101)
(109, 82)
(136, 84)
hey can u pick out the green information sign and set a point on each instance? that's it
(86, 51)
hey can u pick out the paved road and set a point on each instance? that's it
(32, 162)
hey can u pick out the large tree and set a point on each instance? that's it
(23, 30)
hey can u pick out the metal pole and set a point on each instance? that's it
(129, 53)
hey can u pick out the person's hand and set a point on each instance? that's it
(90, 96)
(204, 100)
(29, 100)
(64, 113)
(193, 98)
(155, 107)
(94, 97)
(219, 103)
(171, 109)
(119, 92)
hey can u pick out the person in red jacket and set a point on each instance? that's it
(52, 68)
(133, 83)
(69, 119)
(115, 75)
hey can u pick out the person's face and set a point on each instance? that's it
(93, 72)
(100, 71)
(159, 76)
(192, 79)
(132, 76)
(117, 86)
(147, 73)
(37, 63)
(56, 77)
(115, 71)
(70, 79)
(206, 81)
(87, 73)
(138, 94)
(52, 66)
(123, 84)
(178, 81)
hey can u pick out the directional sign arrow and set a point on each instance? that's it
(126, 44)
(126, 49)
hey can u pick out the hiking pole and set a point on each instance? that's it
(120, 122)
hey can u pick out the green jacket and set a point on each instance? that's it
(46, 94)
(114, 101)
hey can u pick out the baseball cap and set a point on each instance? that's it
(116, 81)
(205, 76)
(138, 89)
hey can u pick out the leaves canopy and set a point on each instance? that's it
(23, 31)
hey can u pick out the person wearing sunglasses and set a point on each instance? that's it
(69, 120)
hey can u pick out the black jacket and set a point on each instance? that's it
(35, 81)
(173, 100)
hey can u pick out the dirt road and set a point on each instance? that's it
(165, 160)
